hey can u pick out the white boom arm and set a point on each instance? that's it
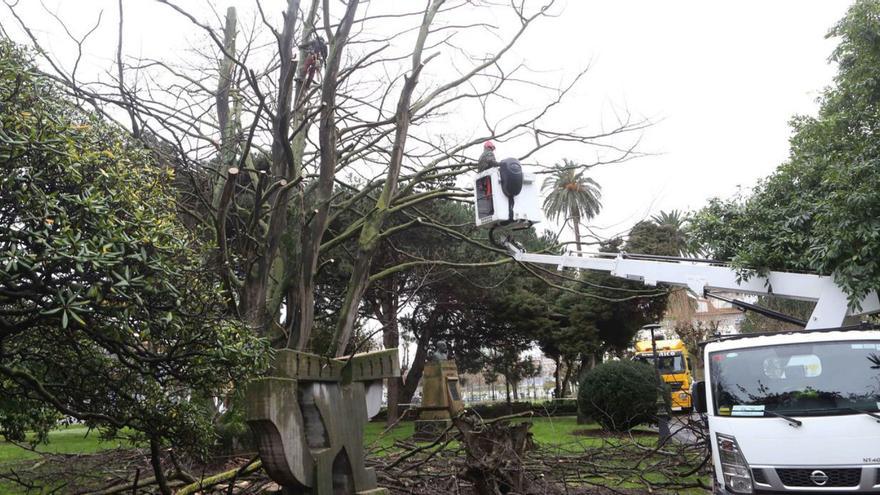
(831, 302)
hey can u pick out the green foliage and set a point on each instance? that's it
(468, 309)
(105, 314)
(650, 237)
(508, 362)
(618, 307)
(619, 395)
(821, 209)
(575, 328)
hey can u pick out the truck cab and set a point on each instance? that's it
(795, 412)
(675, 368)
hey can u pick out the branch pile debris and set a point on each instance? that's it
(472, 456)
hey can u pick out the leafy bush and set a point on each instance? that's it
(619, 394)
(106, 312)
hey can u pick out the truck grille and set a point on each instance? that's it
(837, 477)
(675, 385)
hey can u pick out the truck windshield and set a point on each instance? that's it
(669, 362)
(808, 379)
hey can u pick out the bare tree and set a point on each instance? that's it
(298, 137)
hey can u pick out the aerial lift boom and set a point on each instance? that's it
(495, 208)
(702, 276)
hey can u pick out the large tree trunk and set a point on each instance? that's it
(557, 377)
(370, 235)
(254, 303)
(158, 470)
(227, 122)
(495, 452)
(395, 386)
(566, 380)
(327, 139)
(389, 302)
(411, 381)
(576, 220)
(588, 362)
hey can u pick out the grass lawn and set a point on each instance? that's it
(66, 440)
(547, 432)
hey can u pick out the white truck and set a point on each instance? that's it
(795, 412)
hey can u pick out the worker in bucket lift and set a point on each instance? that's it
(487, 159)
(510, 172)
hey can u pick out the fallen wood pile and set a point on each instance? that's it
(493, 457)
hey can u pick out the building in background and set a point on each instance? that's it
(710, 315)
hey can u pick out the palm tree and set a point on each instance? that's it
(571, 196)
(674, 218)
(676, 222)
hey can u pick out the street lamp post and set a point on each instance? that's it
(662, 411)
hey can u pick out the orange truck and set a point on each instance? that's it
(675, 368)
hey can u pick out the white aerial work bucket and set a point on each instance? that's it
(493, 207)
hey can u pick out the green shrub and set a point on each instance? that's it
(108, 314)
(619, 394)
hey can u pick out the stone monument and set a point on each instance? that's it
(308, 418)
(441, 399)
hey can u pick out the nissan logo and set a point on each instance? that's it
(818, 478)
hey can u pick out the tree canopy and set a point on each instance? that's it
(292, 158)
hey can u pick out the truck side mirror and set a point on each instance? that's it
(698, 396)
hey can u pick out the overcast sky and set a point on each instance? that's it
(719, 79)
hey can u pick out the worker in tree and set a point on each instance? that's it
(316, 55)
(318, 47)
(487, 159)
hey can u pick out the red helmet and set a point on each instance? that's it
(488, 145)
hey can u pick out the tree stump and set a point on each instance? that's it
(495, 452)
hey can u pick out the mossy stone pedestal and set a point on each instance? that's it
(308, 418)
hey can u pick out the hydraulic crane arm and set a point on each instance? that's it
(745, 306)
(698, 277)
